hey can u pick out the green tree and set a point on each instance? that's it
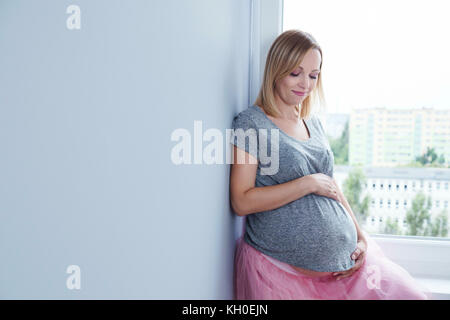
(339, 146)
(391, 227)
(441, 159)
(428, 157)
(439, 226)
(352, 189)
(418, 218)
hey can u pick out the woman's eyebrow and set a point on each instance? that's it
(312, 70)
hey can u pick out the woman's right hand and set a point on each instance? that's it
(324, 185)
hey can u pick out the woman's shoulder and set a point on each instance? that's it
(249, 116)
(250, 112)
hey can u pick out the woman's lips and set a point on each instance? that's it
(298, 93)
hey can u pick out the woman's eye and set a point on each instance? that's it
(296, 74)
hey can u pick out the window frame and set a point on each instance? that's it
(420, 256)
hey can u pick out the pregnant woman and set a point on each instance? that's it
(301, 238)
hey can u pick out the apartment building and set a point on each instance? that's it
(382, 137)
(393, 189)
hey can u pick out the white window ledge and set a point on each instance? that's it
(440, 288)
(427, 259)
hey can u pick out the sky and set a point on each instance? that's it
(384, 53)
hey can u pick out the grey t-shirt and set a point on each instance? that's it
(312, 232)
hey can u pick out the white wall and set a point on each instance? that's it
(86, 176)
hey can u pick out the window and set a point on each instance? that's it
(376, 96)
(362, 28)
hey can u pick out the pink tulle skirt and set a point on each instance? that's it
(260, 277)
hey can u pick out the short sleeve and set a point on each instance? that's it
(244, 134)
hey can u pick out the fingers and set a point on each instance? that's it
(344, 276)
(349, 272)
(360, 259)
(356, 253)
(333, 192)
(337, 196)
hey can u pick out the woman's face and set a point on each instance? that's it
(295, 87)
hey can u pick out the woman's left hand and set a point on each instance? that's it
(358, 255)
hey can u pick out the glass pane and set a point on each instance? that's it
(386, 79)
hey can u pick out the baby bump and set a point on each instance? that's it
(311, 233)
(325, 237)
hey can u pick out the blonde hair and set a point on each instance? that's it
(286, 54)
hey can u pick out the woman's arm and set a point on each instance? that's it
(247, 199)
(257, 199)
(344, 202)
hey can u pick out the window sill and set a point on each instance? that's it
(427, 259)
(440, 288)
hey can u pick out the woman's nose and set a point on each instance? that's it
(303, 82)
